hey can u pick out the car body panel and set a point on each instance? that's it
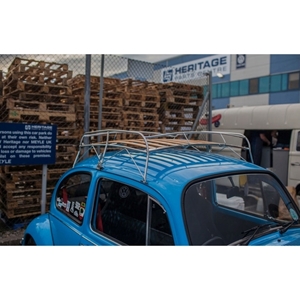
(40, 230)
(169, 174)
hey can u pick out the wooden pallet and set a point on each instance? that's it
(67, 140)
(112, 122)
(42, 97)
(178, 112)
(66, 148)
(112, 102)
(105, 124)
(67, 131)
(166, 106)
(29, 211)
(1, 81)
(187, 92)
(32, 63)
(145, 87)
(138, 115)
(35, 116)
(141, 96)
(38, 76)
(65, 157)
(40, 88)
(140, 103)
(19, 185)
(175, 128)
(39, 106)
(141, 110)
(94, 92)
(181, 100)
(141, 124)
(61, 165)
(20, 168)
(79, 82)
(177, 85)
(21, 198)
(33, 175)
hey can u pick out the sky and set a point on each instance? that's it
(151, 30)
(152, 58)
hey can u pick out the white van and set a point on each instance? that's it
(284, 159)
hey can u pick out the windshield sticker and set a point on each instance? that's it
(293, 214)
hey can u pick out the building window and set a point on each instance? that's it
(214, 91)
(234, 88)
(264, 83)
(253, 86)
(293, 81)
(225, 89)
(219, 90)
(284, 82)
(244, 87)
(275, 85)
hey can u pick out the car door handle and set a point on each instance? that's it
(297, 164)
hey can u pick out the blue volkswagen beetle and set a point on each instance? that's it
(138, 188)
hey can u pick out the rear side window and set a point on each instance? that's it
(130, 216)
(72, 194)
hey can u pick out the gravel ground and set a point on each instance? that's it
(11, 237)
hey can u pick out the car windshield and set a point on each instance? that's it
(221, 210)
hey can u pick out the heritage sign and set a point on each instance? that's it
(27, 144)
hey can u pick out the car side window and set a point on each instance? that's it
(72, 194)
(130, 216)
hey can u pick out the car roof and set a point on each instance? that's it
(173, 167)
(165, 162)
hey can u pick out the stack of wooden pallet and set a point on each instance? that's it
(179, 106)
(36, 92)
(1, 82)
(111, 102)
(126, 104)
(141, 102)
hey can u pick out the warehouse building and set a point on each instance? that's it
(240, 79)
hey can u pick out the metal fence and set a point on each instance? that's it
(80, 93)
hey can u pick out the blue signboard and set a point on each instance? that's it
(27, 144)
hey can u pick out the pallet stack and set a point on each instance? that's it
(1, 97)
(1, 82)
(179, 106)
(126, 104)
(36, 92)
(42, 92)
(141, 102)
(111, 102)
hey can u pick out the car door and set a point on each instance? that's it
(68, 212)
(124, 215)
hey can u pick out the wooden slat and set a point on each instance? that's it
(158, 143)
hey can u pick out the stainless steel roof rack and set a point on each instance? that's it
(133, 142)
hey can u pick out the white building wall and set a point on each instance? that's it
(256, 65)
(254, 100)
